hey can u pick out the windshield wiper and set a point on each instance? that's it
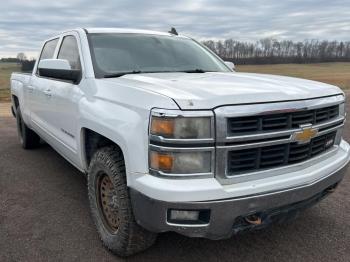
(141, 72)
(197, 70)
(122, 73)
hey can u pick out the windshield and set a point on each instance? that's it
(136, 53)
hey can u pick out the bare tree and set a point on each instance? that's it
(21, 57)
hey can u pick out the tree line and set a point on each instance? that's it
(21, 59)
(272, 51)
(264, 51)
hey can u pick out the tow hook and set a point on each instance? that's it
(331, 189)
(253, 219)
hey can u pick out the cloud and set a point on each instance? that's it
(26, 23)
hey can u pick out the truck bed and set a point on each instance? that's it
(23, 78)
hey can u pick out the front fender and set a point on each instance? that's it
(121, 114)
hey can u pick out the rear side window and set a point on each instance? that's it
(49, 49)
(69, 51)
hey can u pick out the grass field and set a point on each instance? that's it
(5, 73)
(332, 73)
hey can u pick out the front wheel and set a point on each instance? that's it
(111, 206)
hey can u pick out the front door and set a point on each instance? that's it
(62, 113)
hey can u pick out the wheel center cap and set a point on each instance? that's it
(113, 204)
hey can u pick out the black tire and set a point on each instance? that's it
(119, 232)
(28, 138)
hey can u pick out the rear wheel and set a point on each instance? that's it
(28, 138)
(111, 206)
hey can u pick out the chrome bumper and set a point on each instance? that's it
(225, 214)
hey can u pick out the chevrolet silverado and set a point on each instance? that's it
(171, 138)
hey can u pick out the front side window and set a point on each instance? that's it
(69, 51)
(116, 53)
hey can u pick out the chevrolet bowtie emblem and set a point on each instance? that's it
(306, 134)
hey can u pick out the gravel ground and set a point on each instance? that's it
(44, 216)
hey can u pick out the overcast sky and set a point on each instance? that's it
(24, 24)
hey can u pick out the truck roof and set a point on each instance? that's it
(126, 31)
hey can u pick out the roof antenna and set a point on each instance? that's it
(173, 31)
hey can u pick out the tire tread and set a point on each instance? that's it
(131, 237)
(29, 139)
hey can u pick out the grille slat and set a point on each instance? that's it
(272, 162)
(273, 122)
(315, 152)
(254, 159)
(244, 128)
(296, 158)
(301, 150)
(274, 125)
(240, 166)
(273, 155)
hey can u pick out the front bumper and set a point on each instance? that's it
(225, 215)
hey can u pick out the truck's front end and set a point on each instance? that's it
(218, 172)
(210, 152)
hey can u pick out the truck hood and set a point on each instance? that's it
(213, 89)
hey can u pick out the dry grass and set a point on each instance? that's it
(5, 73)
(5, 95)
(332, 73)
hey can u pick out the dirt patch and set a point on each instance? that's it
(5, 110)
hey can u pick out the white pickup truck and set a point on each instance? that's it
(172, 139)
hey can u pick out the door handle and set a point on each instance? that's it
(47, 92)
(30, 89)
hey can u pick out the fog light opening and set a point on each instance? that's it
(190, 217)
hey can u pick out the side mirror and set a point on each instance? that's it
(59, 69)
(230, 65)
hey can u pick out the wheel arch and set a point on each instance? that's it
(15, 105)
(91, 141)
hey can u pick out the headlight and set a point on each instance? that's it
(181, 128)
(181, 163)
(184, 125)
(181, 143)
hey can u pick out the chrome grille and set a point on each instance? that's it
(254, 138)
(254, 159)
(273, 122)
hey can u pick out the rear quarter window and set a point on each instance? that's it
(48, 51)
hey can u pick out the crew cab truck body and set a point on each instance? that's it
(172, 139)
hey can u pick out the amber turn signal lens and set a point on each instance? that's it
(161, 161)
(162, 126)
